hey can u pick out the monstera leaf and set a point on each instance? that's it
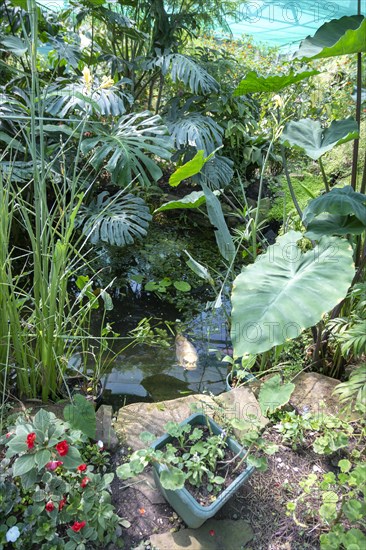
(338, 37)
(255, 83)
(218, 171)
(308, 135)
(115, 220)
(62, 99)
(127, 144)
(286, 291)
(195, 130)
(185, 69)
(339, 212)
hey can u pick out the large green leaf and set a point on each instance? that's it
(338, 37)
(14, 45)
(195, 130)
(274, 394)
(117, 220)
(333, 224)
(189, 169)
(286, 291)
(255, 83)
(340, 201)
(308, 135)
(193, 200)
(24, 464)
(216, 216)
(339, 212)
(218, 171)
(66, 97)
(185, 69)
(127, 146)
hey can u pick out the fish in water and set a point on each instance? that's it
(186, 353)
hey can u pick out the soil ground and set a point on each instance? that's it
(261, 501)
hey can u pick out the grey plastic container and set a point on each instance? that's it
(192, 513)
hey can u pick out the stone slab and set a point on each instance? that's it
(144, 483)
(314, 393)
(212, 535)
(104, 431)
(152, 417)
(242, 404)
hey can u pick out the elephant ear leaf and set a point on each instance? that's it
(274, 394)
(286, 291)
(315, 141)
(274, 83)
(338, 37)
(117, 220)
(339, 212)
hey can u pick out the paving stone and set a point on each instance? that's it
(314, 393)
(144, 483)
(152, 417)
(242, 404)
(212, 535)
(104, 431)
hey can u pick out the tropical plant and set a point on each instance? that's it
(263, 294)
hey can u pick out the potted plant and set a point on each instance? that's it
(197, 465)
(239, 373)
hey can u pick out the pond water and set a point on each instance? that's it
(146, 373)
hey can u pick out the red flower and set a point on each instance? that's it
(84, 482)
(212, 533)
(78, 525)
(50, 506)
(61, 504)
(30, 440)
(82, 468)
(9, 434)
(62, 448)
(53, 465)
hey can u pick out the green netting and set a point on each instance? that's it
(275, 22)
(286, 22)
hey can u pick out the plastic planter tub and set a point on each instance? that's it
(192, 513)
(246, 378)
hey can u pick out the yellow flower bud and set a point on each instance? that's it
(107, 82)
(278, 101)
(87, 77)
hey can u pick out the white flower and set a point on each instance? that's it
(13, 534)
(100, 444)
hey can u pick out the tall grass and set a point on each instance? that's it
(37, 315)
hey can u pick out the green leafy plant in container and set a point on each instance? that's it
(198, 465)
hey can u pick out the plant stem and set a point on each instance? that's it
(326, 184)
(261, 181)
(289, 183)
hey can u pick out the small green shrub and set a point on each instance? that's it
(50, 498)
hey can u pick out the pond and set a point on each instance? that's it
(146, 373)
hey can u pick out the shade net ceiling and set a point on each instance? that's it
(282, 23)
(285, 23)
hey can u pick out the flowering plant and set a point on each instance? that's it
(51, 496)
